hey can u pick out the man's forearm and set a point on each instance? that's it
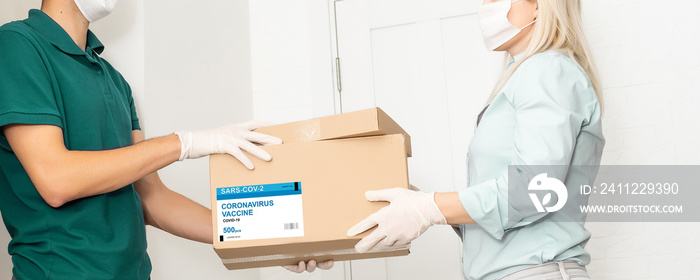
(175, 213)
(109, 170)
(170, 211)
(61, 175)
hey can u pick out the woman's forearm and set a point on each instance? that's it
(451, 207)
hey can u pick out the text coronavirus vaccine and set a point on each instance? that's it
(259, 211)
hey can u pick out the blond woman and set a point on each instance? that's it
(545, 111)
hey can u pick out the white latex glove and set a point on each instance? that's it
(231, 139)
(409, 214)
(310, 266)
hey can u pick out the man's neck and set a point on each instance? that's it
(69, 17)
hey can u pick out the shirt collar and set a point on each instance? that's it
(55, 34)
(515, 58)
(518, 56)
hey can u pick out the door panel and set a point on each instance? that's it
(425, 64)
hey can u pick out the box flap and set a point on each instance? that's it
(369, 122)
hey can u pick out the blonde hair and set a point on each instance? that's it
(558, 27)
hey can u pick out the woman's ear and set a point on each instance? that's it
(537, 10)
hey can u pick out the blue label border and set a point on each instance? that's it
(261, 190)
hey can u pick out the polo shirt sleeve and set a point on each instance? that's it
(26, 93)
(552, 100)
(132, 105)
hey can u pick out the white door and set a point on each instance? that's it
(424, 63)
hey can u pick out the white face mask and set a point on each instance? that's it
(94, 10)
(495, 26)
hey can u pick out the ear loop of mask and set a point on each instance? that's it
(531, 23)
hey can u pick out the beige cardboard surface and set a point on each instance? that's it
(238, 264)
(369, 122)
(334, 176)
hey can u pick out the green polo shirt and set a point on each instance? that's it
(45, 78)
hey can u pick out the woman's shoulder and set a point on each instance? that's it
(552, 76)
(552, 63)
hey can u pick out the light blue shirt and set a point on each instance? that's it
(546, 114)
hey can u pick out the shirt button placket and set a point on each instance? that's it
(95, 60)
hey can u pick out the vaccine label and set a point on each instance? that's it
(259, 211)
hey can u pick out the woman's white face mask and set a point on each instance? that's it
(94, 10)
(495, 26)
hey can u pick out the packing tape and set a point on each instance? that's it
(308, 132)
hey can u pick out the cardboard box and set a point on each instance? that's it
(300, 205)
(369, 122)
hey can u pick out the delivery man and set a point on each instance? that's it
(78, 181)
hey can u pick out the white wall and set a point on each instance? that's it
(650, 66)
(292, 70)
